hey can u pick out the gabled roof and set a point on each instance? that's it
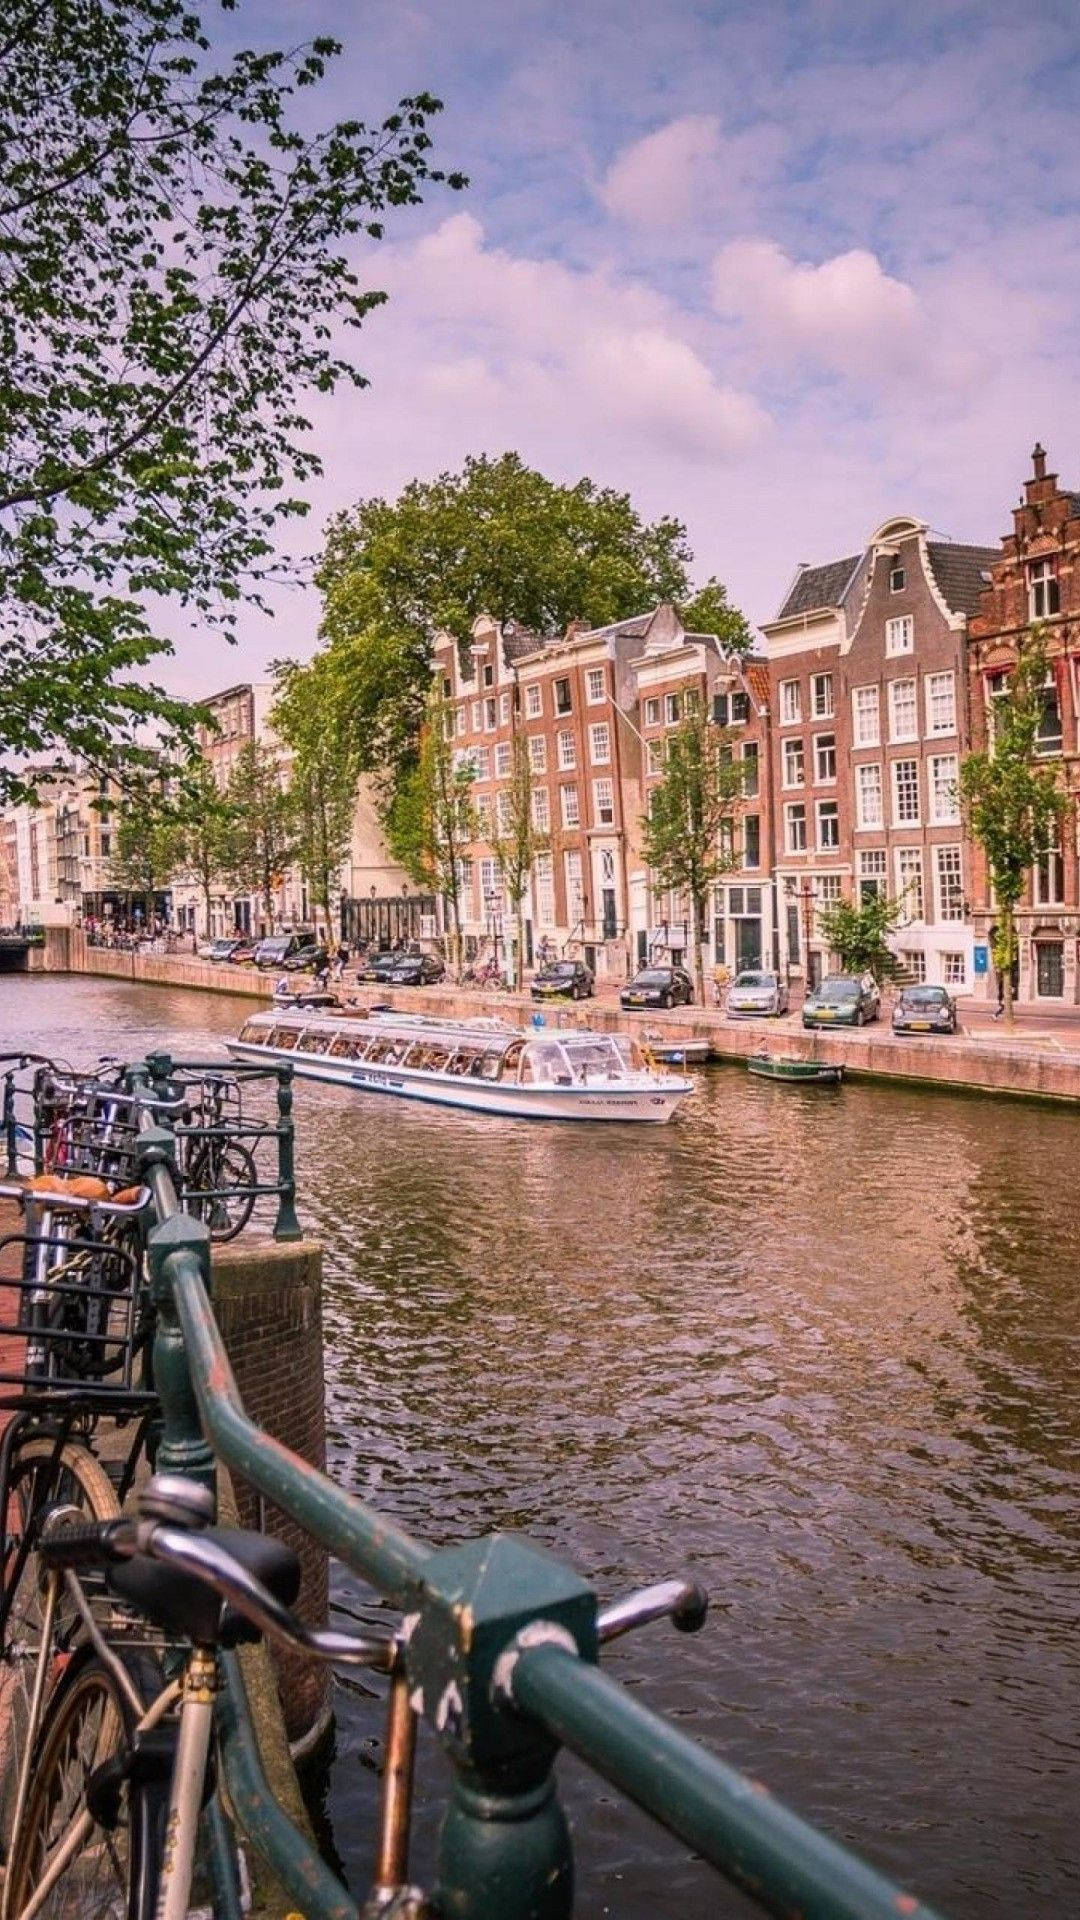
(816, 587)
(961, 572)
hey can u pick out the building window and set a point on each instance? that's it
(654, 756)
(545, 889)
(740, 709)
(1048, 733)
(562, 696)
(541, 812)
(794, 764)
(504, 811)
(491, 712)
(749, 757)
(825, 759)
(600, 744)
(954, 969)
(940, 703)
(567, 756)
(950, 883)
(568, 801)
(575, 891)
(897, 579)
(790, 703)
(997, 690)
(900, 635)
(868, 796)
(594, 686)
(481, 762)
(944, 790)
(482, 810)
(865, 709)
(821, 696)
(1050, 873)
(903, 710)
(909, 881)
(489, 676)
(828, 890)
(914, 962)
(502, 760)
(604, 802)
(873, 874)
(461, 720)
(828, 825)
(720, 709)
(1044, 593)
(537, 753)
(672, 708)
(652, 713)
(795, 828)
(534, 700)
(905, 776)
(751, 840)
(1050, 969)
(477, 715)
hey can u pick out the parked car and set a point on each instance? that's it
(842, 1000)
(924, 1010)
(658, 987)
(377, 967)
(755, 992)
(288, 951)
(570, 978)
(414, 970)
(224, 948)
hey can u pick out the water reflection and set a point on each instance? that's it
(814, 1349)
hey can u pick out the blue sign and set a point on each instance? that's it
(538, 1020)
(981, 958)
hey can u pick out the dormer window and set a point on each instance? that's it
(447, 687)
(897, 579)
(489, 676)
(1044, 592)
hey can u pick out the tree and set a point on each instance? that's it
(518, 843)
(688, 832)
(147, 842)
(207, 821)
(309, 718)
(860, 935)
(175, 279)
(1013, 802)
(261, 842)
(496, 538)
(432, 819)
(710, 611)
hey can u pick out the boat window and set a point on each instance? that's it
(284, 1037)
(305, 1042)
(459, 1060)
(629, 1052)
(318, 1042)
(549, 1063)
(491, 1064)
(252, 1034)
(510, 1059)
(341, 1046)
(380, 1048)
(438, 1055)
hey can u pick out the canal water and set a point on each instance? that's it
(817, 1349)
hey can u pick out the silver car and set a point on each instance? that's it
(757, 993)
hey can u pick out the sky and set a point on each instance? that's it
(782, 270)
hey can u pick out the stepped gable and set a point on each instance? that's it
(962, 573)
(817, 587)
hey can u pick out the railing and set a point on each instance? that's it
(500, 1647)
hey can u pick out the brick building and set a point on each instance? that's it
(1035, 580)
(867, 669)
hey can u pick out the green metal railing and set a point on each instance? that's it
(501, 1653)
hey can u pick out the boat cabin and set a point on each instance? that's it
(553, 1060)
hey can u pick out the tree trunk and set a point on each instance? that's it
(455, 957)
(699, 969)
(1008, 921)
(519, 959)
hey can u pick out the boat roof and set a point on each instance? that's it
(482, 1032)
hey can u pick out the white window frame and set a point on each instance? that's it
(544, 888)
(1051, 863)
(944, 790)
(949, 886)
(940, 686)
(541, 810)
(914, 959)
(824, 743)
(595, 686)
(672, 709)
(652, 710)
(911, 711)
(575, 886)
(793, 750)
(461, 720)
(790, 703)
(871, 736)
(601, 806)
(827, 809)
(537, 753)
(795, 812)
(567, 795)
(1042, 587)
(901, 819)
(477, 715)
(504, 709)
(504, 811)
(825, 709)
(502, 760)
(954, 969)
(899, 635)
(862, 786)
(566, 751)
(873, 871)
(654, 756)
(600, 744)
(912, 859)
(481, 759)
(534, 700)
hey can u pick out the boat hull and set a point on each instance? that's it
(796, 1073)
(651, 1104)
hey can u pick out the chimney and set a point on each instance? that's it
(1038, 460)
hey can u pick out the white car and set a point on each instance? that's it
(757, 993)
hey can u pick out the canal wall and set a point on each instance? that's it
(990, 1061)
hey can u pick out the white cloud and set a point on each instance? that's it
(846, 315)
(664, 176)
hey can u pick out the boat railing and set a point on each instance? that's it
(498, 1652)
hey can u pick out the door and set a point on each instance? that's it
(793, 933)
(747, 945)
(1050, 961)
(815, 969)
(611, 922)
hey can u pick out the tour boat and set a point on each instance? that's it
(483, 1065)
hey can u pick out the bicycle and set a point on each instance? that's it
(217, 1173)
(103, 1733)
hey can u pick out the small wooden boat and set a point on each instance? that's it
(676, 1053)
(794, 1072)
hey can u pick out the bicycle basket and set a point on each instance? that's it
(75, 1313)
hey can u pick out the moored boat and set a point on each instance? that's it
(484, 1066)
(795, 1072)
(677, 1053)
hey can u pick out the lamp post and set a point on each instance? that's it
(405, 913)
(806, 895)
(372, 930)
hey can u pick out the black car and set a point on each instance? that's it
(658, 987)
(289, 951)
(413, 970)
(571, 979)
(924, 1010)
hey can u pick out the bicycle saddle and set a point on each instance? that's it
(182, 1604)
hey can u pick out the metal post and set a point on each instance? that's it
(11, 1130)
(287, 1225)
(182, 1448)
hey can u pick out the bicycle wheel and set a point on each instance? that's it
(219, 1188)
(99, 1871)
(41, 1478)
